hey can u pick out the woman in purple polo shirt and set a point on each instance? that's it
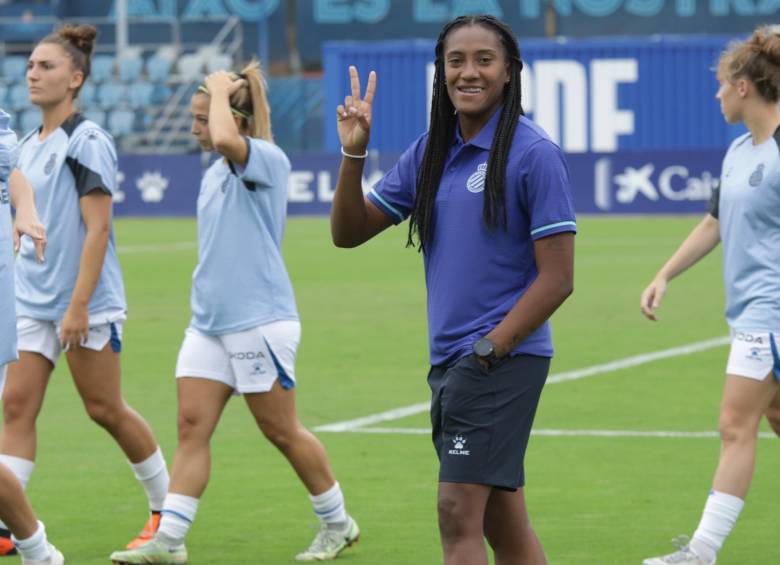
(487, 194)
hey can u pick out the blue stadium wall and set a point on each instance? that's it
(323, 20)
(637, 119)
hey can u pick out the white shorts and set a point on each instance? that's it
(3, 371)
(248, 361)
(754, 354)
(43, 336)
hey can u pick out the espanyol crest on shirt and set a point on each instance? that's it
(476, 182)
(757, 176)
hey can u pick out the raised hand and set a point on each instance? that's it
(223, 81)
(353, 118)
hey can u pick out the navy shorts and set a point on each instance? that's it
(482, 418)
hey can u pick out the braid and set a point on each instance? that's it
(439, 135)
(443, 122)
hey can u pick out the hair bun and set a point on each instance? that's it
(771, 47)
(82, 37)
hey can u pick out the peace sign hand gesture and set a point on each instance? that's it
(354, 116)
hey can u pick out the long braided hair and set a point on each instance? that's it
(443, 122)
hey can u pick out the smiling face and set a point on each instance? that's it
(51, 75)
(476, 71)
(199, 109)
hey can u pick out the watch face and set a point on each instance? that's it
(483, 347)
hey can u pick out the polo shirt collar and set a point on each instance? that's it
(484, 139)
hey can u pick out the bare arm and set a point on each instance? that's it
(554, 283)
(96, 213)
(27, 221)
(353, 218)
(225, 136)
(702, 239)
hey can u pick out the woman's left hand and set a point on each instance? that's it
(74, 329)
(221, 81)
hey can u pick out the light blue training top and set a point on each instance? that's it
(7, 310)
(748, 207)
(70, 163)
(241, 281)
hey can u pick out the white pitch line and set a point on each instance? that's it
(638, 360)
(395, 414)
(571, 433)
(633, 361)
(155, 247)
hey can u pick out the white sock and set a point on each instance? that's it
(21, 468)
(329, 506)
(178, 513)
(152, 473)
(34, 548)
(720, 514)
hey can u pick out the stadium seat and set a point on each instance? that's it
(191, 67)
(219, 62)
(14, 68)
(87, 94)
(130, 67)
(102, 68)
(110, 95)
(158, 68)
(97, 116)
(140, 95)
(161, 94)
(29, 120)
(120, 122)
(18, 97)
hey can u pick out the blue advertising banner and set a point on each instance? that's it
(590, 96)
(626, 182)
(319, 21)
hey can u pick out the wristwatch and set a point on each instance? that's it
(485, 349)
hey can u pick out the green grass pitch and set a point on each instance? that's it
(593, 500)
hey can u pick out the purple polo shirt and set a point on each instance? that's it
(474, 275)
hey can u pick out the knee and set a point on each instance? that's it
(17, 408)
(452, 520)
(104, 415)
(190, 426)
(736, 429)
(283, 437)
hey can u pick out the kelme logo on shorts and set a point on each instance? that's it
(757, 176)
(476, 182)
(50, 164)
(458, 443)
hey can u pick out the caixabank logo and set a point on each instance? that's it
(647, 185)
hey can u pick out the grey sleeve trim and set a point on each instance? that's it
(86, 179)
(714, 205)
(777, 137)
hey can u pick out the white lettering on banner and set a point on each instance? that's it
(119, 195)
(300, 189)
(324, 190)
(298, 186)
(607, 119)
(563, 96)
(564, 80)
(673, 183)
